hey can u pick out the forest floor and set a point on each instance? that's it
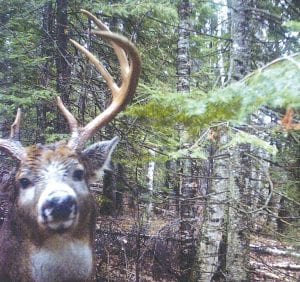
(273, 260)
(122, 255)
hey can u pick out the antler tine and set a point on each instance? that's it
(131, 74)
(12, 145)
(130, 70)
(99, 66)
(119, 51)
(97, 22)
(123, 61)
(15, 127)
(73, 124)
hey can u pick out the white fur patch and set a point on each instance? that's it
(54, 171)
(62, 260)
(61, 224)
(26, 196)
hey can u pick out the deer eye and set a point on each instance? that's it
(78, 175)
(24, 182)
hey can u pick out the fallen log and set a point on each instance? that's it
(273, 251)
(282, 265)
(266, 274)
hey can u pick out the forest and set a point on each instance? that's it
(205, 182)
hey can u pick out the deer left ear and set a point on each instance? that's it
(98, 155)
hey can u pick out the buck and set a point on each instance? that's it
(48, 234)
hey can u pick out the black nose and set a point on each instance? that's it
(59, 208)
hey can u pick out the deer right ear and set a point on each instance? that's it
(98, 155)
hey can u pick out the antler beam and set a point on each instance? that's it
(130, 65)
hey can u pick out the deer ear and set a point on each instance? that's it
(98, 155)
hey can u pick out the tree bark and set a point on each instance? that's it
(183, 46)
(210, 259)
(238, 223)
(63, 70)
(150, 183)
(240, 57)
(185, 192)
(47, 45)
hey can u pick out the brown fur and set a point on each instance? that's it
(21, 234)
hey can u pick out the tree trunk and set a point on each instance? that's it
(221, 30)
(150, 183)
(210, 259)
(63, 70)
(183, 59)
(238, 223)
(46, 51)
(223, 247)
(185, 192)
(240, 57)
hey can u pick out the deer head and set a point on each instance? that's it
(52, 219)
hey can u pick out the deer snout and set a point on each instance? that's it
(58, 209)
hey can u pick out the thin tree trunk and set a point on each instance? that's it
(222, 17)
(46, 51)
(63, 70)
(150, 183)
(183, 59)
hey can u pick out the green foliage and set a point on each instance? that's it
(53, 137)
(155, 8)
(20, 61)
(292, 26)
(242, 137)
(276, 85)
(195, 154)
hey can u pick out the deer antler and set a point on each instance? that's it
(12, 145)
(121, 95)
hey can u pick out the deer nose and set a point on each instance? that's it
(59, 208)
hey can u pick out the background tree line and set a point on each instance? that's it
(206, 176)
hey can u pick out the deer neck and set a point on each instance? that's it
(47, 257)
(63, 258)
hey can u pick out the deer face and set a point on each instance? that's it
(52, 183)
